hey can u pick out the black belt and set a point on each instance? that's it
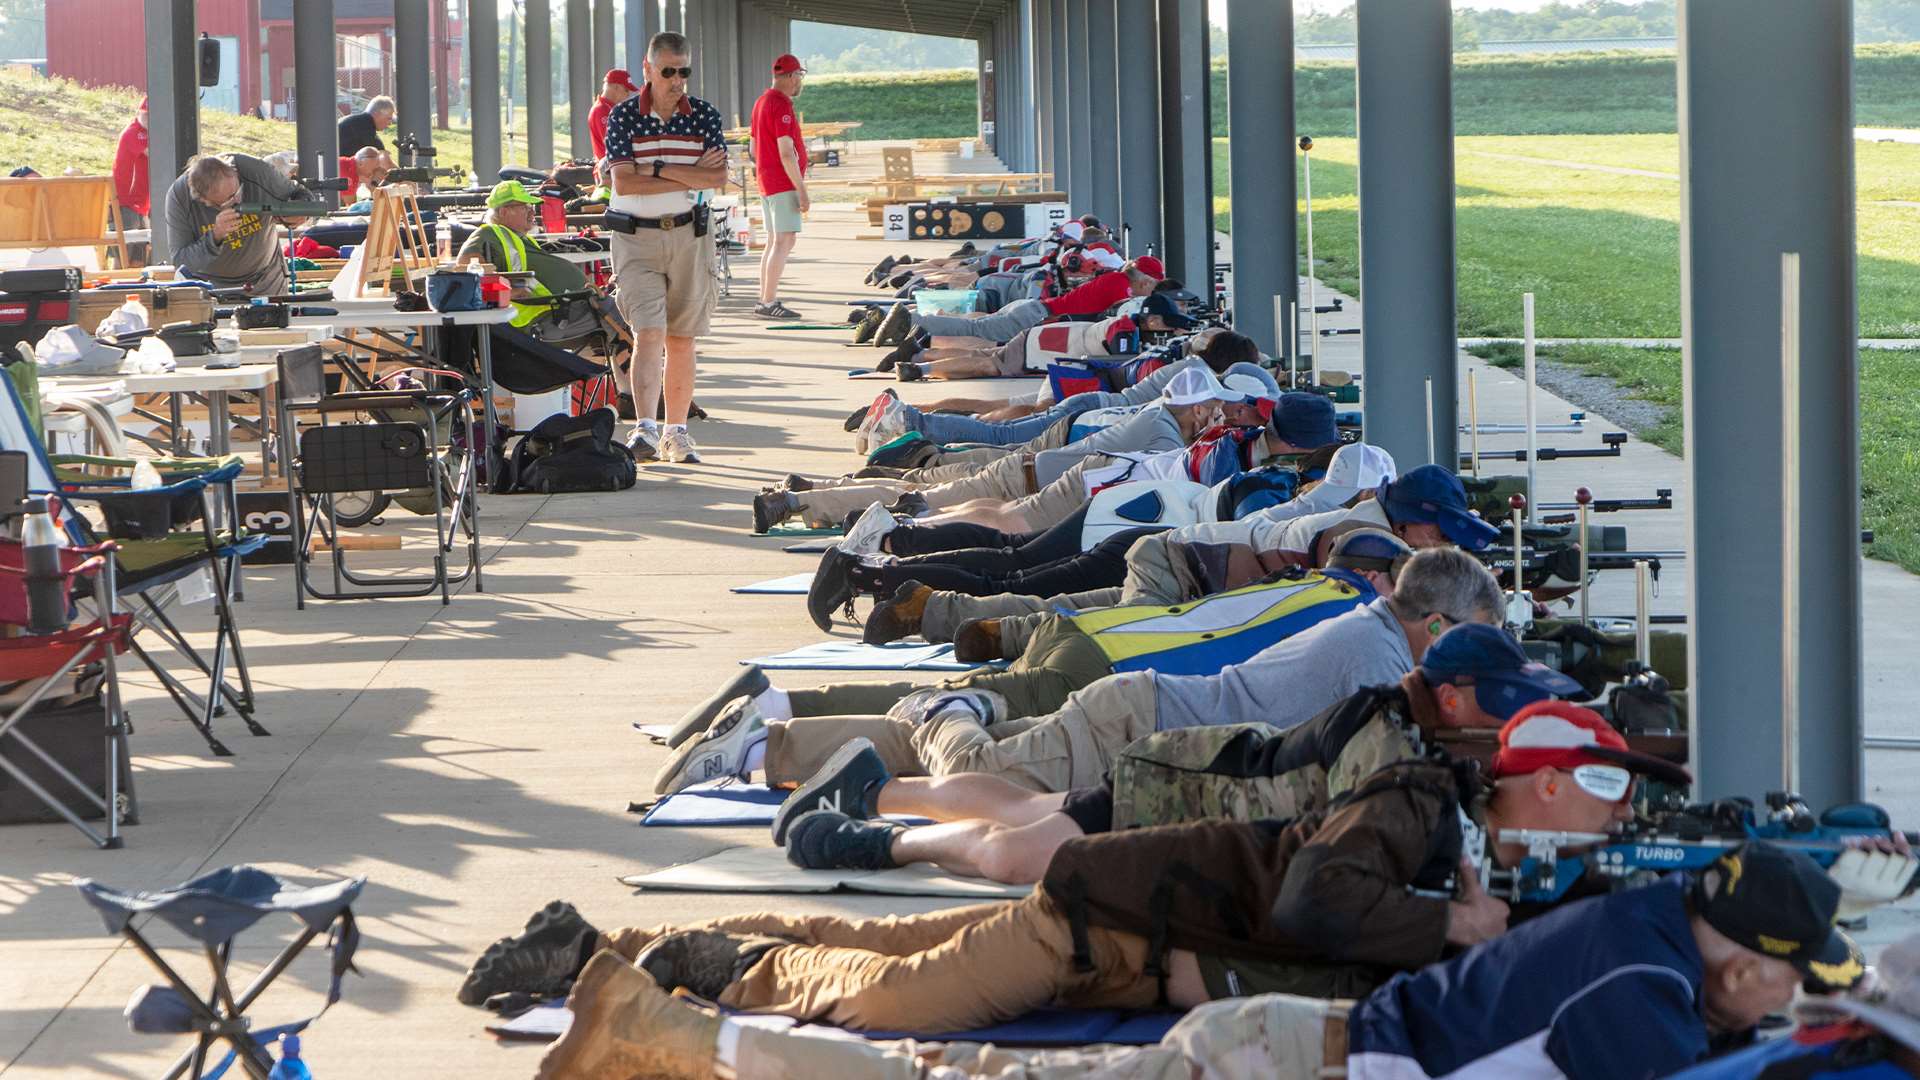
(621, 221)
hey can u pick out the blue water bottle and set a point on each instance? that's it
(290, 1067)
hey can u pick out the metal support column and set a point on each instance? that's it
(673, 17)
(412, 66)
(581, 85)
(1025, 29)
(173, 106)
(315, 133)
(1766, 138)
(483, 94)
(1041, 57)
(1260, 165)
(697, 31)
(643, 21)
(728, 48)
(1140, 202)
(603, 56)
(1405, 65)
(539, 84)
(1061, 100)
(1079, 88)
(1103, 109)
(1186, 142)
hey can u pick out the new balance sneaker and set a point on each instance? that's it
(830, 840)
(749, 682)
(543, 959)
(868, 531)
(723, 751)
(849, 783)
(645, 444)
(678, 448)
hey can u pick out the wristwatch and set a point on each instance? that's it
(657, 166)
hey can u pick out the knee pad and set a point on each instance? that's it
(923, 706)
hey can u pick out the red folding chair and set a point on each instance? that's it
(40, 663)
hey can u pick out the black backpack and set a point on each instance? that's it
(569, 453)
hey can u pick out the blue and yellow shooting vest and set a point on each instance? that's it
(1206, 635)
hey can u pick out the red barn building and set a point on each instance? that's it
(104, 43)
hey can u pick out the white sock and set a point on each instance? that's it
(774, 704)
(676, 429)
(726, 1050)
(651, 427)
(756, 758)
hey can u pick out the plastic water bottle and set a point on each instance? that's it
(443, 241)
(134, 308)
(40, 544)
(290, 1067)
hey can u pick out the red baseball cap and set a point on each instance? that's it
(619, 77)
(1561, 735)
(1151, 267)
(787, 64)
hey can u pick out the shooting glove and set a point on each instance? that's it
(1870, 878)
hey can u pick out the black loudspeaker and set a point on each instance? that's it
(966, 221)
(209, 61)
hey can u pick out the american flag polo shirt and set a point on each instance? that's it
(635, 134)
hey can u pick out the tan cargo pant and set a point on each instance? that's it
(1271, 1037)
(1007, 479)
(943, 971)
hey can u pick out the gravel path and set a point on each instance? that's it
(1600, 394)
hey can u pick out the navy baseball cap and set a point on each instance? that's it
(1505, 679)
(1164, 306)
(1306, 421)
(1432, 495)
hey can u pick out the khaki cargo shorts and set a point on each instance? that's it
(665, 279)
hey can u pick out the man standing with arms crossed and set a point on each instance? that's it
(780, 158)
(664, 147)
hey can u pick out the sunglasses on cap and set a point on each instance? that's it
(675, 72)
(1608, 783)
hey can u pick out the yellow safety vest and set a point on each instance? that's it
(516, 248)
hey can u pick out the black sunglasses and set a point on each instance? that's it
(669, 72)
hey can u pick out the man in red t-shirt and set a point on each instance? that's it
(130, 176)
(615, 88)
(780, 159)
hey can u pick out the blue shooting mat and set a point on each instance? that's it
(797, 529)
(858, 656)
(1043, 1027)
(717, 802)
(791, 585)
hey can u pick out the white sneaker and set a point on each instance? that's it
(868, 530)
(863, 435)
(723, 751)
(645, 444)
(678, 447)
(887, 422)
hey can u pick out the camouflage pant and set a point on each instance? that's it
(1259, 1038)
(1163, 779)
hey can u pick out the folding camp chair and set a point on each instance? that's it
(45, 662)
(212, 910)
(416, 444)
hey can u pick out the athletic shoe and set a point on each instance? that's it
(869, 323)
(898, 616)
(886, 421)
(852, 422)
(903, 352)
(721, 752)
(863, 538)
(770, 508)
(910, 504)
(911, 372)
(832, 586)
(678, 448)
(849, 783)
(775, 310)
(543, 959)
(830, 840)
(750, 682)
(895, 327)
(881, 270)
(702, 962)
(645, 447)
(624, 1024)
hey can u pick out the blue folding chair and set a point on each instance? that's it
(212, 910)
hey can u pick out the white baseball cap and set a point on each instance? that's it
(1356, 467)
(1194, 385)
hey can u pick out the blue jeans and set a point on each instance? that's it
(957, 428)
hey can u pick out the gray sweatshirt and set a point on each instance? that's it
(250, 256)
(1292, 681)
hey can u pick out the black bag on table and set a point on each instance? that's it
(569, 453)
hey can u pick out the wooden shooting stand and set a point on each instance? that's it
(394, 230)
(62, 211)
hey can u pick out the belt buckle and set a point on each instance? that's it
(667, 224)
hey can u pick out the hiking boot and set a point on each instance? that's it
(830, 840)
(895, 327)
(868, 531)
(882, 269)
(721, 752)
(542, 959)
(625, 1025)
(770, 508)
(703, 962)
(879, 472)
(832, 586)
(775, 310)
(910, 504)
(852, 422)
(903, 352)
(678, 448)
(869, 324)
(644, 444)
(910, 371)
(796, 482)
(849, 783)
(750, 682)
(977, 642)
(898, 616)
